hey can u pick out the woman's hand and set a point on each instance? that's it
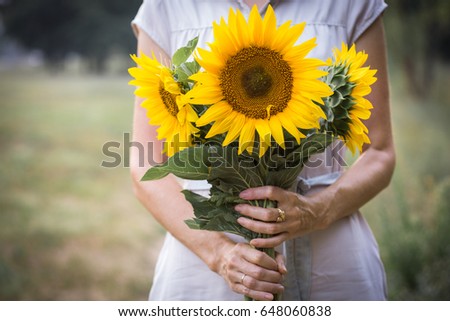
(303, 214)
(251, 272)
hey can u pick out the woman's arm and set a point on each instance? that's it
(163, 199)
(370, 174)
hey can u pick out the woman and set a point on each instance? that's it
(330, 251)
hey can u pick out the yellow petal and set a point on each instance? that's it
(191, 114)
(217, 128)
(269, 29)
(263, 129)
(247, 137)
(235, 128)
(283, 43)
(209, 61)
(299, 52)
(361, 113)
(215, 112)
(256, 26)
(277, 130)
(204, 95)
(290, 127)
(242, 30)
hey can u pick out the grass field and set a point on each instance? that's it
(69, 228)
(72, 230)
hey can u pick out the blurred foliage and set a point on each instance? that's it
(415, 244)
(70, 229)
(92, 29)
(418, 33)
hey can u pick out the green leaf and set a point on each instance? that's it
(210, 217)
(286, 175)
(284, 178)
(180, 75)
(185, 70)
(190, 67)
(182, 54)
(229, 172)
(201, 204)
(190, 163)
(311, 145)
(316, 143)
(220, 197)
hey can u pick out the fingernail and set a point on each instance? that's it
(243, 194)
(268, 296)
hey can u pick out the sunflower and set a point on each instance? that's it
(256, 80)
(351, 81)
(166, 105)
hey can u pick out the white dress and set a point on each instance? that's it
(339, 263)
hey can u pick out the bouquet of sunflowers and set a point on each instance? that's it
(250, 111)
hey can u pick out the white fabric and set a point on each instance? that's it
(339, 263)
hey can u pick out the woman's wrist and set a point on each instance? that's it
(320, 209)
(215, 258)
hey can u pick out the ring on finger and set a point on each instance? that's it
(281, 215)
(243, 277)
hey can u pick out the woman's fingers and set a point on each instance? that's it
(281, 262)
(248, 281)
(271, 241)
(256, 295)
(253, 273)
(256, 263)
(294, 215)
(259, 213)
(262, 227)
(264, 192)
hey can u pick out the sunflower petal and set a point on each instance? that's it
(269, 27)
(235, 128)
(247, 137)
(277, 130)
(256, 26)
(263, 129)
(213, 113)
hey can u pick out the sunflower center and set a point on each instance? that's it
(169, 101)
(257, 78)
(256, 81)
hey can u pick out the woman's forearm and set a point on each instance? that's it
(168, 206)
(373, 170)
(358, 185)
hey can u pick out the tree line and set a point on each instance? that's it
(90, 28)
(418, 31)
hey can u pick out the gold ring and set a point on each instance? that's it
(243, 277)
(281, 215)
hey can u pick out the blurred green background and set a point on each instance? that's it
(71, 229)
